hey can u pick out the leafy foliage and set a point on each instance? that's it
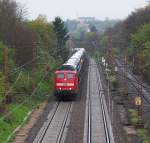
(25, 45)
(141, 37)
(3, 87)
(2, 46)
(10, 16)
(27, 48)
(62, 36)
(131, 36)
(24, 83)
(140, 49)
(46, 39)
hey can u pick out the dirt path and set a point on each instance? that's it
(22, 134)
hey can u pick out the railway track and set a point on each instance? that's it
(54, 129)
(135, 82)
(105, 120)
(97, 124)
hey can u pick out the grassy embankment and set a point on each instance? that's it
(16, 112)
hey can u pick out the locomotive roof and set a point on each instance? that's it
(75, 58)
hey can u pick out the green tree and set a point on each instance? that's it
(62, 36)
(139, 49)
(139, 39)
(46, 38)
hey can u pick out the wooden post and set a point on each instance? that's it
(8, 98)
(138, 103)
(125, 74)
(6, 68)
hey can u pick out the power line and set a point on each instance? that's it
(2, 118)
(9, 90)
(16, 70)
(34, 91)
(133, 82)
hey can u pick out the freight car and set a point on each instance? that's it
(67, 76)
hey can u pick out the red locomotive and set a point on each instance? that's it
(67, 76)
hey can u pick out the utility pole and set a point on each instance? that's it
(125, 64)
(6, 68)
(110, 62)
(8, 98)
(34, 55)
(138, 100)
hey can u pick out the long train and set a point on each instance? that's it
(67, 76)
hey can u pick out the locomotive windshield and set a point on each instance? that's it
(60, 75)
(66, 67)
(70, 76)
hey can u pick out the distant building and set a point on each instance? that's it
(86, 19)
(83, 22)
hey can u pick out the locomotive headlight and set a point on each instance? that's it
(59, 88)
(70, 84)
(59, 84)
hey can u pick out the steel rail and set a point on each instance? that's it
(64, 123)
(108, 140)
(89, 109)
(135, 82)
(43, 132)
(129, 71)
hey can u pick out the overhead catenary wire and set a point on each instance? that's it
(10, 89)
(31, 95)
(136, 80)
(2, 118)
(17, 69)
(133, 82)
(140, 82)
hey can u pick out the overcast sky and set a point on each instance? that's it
(114, 9)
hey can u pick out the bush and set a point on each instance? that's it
(24, 83)
(44, 89)
(3, 86)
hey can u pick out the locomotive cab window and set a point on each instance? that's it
(70, 76)
(60, 75)
(66, 67)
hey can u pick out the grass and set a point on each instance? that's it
(11, 122)
(143, 135)
(134, 116)
(141, 132)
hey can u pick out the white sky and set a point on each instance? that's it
(114, 9)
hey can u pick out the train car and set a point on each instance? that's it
(67, 76)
